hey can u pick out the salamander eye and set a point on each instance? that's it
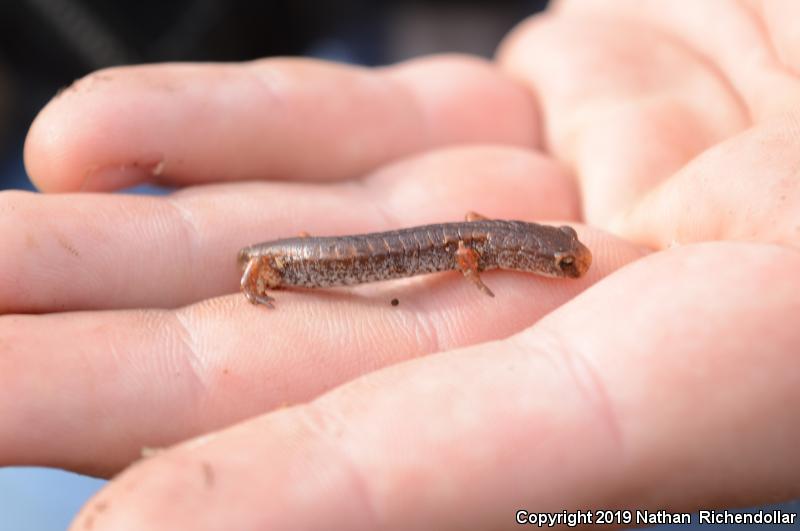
(569, 231)
(566, 264)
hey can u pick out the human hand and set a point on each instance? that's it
(595, 405)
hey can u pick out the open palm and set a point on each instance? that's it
(668, 378)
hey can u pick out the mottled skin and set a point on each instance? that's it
(469, 247)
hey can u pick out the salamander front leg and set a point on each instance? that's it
(254, 284)
(467, 262)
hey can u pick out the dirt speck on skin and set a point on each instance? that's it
(79, 84)
(155, 165)
(7, 206)
(30, 241)
(158, 169)
(61, 90)
(148, 451)
(130, 483)
(96, 509)
(72, 87)
(208, 474)
(85, 84)
(63, 242)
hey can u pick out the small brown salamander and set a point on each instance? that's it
(472, 246)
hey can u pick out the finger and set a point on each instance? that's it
(750, 44)
(132, 379)
(595, 407)
(747, 188)
(778, 16)
(113, 251)
(625, 105)
(272, 119)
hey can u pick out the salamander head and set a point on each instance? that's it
(572, 258)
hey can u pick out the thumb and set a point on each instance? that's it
(671, 384)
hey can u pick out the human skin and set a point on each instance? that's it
(668, 378)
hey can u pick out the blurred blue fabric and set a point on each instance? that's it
(42, 499)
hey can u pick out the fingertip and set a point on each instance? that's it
(43, 148)
(449, 89)
(222, 477)
(91, 136)
(514, 43)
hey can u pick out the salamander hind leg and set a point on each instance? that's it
(467, 263)
(254, 284)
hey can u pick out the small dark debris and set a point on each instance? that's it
(96, 509)
(208, 474)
